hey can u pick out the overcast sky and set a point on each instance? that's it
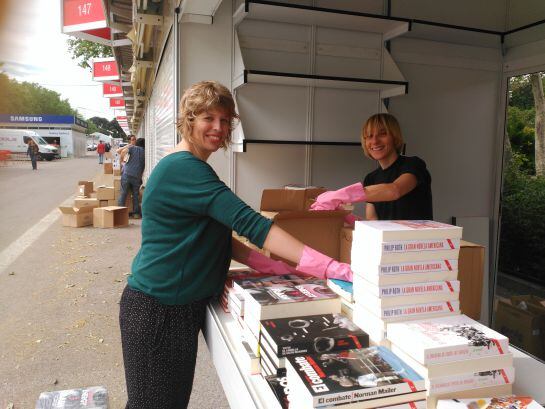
(33, 49)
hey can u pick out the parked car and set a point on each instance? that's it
(91, 146)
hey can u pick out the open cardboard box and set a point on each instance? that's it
(110, 217)
(76, 217)
(288, 208)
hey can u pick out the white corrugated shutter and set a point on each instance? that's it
(162, 105)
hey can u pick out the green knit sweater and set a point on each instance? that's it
(187, 220)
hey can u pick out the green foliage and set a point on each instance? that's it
(521, 131)
(31, 99)
(523, 224)
(83, 51)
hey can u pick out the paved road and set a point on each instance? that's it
(27, 195)
(59, 299)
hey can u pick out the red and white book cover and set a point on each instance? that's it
(447, 339)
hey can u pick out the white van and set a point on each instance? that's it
(15, 141)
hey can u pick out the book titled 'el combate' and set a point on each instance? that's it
(351, 376)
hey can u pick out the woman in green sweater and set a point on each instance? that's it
(188, 218)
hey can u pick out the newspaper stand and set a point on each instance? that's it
(246, 391)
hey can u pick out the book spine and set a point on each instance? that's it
(440, 307)
(431, 266)
(419, 245)
(473, 380)
(434, 287)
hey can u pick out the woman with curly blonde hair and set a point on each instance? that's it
(400, 187)
(188, 218)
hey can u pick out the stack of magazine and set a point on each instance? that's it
(455, 354)
(403, 270)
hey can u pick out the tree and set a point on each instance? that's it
(539, 102)
(31, 99)
(83, 51)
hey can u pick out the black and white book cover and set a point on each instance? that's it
(95, 397)
(279, 386)
(283, 293)
(263, 280)
(351, 376)
(313, 334)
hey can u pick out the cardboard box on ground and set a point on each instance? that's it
(470, 271)
(522, 319)
(110, 216)
(85, 188)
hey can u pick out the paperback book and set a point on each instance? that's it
(374, 297)
(390, 314)
(288, 300)
(455, 367)
(471, 380)
(503, 402)
(367, 252)
(350, 376)
(405, 272)
(279, 387)
(391, 230)
(343, 288)
(312, 334)
(447, 339)
(95, 397)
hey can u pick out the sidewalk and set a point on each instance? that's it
(59, 318)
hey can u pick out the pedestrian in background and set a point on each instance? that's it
(33, 152)
(101, 148)
(131, 178)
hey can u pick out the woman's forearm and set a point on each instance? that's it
(283, 244)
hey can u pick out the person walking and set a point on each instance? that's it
(33, 152)
(131, 178)
(101, 148)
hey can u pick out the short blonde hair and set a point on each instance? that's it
(202, 97)
(389, 123)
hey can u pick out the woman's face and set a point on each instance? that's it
(380, 143)
(210, 129)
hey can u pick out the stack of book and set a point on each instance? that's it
(345, 289)
(356, 378)
(455, 354)
(270, 297)
(283, 337)
(403, 270)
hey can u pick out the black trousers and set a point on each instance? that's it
(159, 350)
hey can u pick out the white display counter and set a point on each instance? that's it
(246, 391)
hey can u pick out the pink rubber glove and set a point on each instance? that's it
(266, 265)
(321, 266)
(332, 199)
